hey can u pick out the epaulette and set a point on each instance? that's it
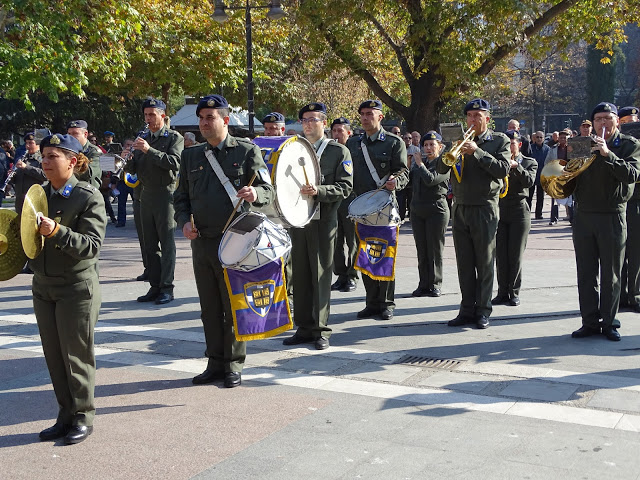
(87, 187)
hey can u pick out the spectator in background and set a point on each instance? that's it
(585, 128)
(539, 152)
(514, 126)
(559, 152)
(189, 139)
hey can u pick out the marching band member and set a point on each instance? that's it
(429, 214)
(273, 125)
(314, 244)
(599, 224)
(388, 157)
(66, 291)
(483, 164)
(28, 170)
(78, 129)
(201, 194)
(514, 224)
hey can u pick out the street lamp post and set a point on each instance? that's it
(275, 13)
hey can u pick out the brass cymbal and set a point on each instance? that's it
(12, 256)
(35, 202)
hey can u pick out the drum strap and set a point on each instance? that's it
(224, 180)
(324, 144)
(372, 170)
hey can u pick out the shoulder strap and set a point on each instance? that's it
(224, 180)
(372, 170)
(324, 144)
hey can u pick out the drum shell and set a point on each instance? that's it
(377, 208)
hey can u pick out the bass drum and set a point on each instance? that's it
(288, 159)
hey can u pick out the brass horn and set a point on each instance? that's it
(451, 157)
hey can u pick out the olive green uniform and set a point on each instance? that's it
(94, 174)
(314, 244)
(157, 171)
(200, 193)
(343, 266)
(388, 154)
(600, 228)
(24, 178)
(514, 226)
(137, 219)
(429, 213)
(66, 297)
(475, 219)
(631, 267)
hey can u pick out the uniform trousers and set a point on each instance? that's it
(539, 197)
(125, 191)
(343, 266)
(137, 218)
(158, 236)
(599, 241)
(224, 352)
(429, 226)
(631, 265)
(312, 258)
(511, 241)
(474, 239)
(66, 315)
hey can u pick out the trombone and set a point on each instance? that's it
(451, 157)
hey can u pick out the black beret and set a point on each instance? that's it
(430, 135)
(604, 107)
(313, 107)
(77, 124)
(108, 133)
(340, 121)
(154, 103)
(513, 134)
(477, 104)
(627, 111)
(29, 136)
(377, 104)
(212, 101)
(273, 117)
(66, 142)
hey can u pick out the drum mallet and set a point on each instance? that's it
(238, 204)
(301, 162)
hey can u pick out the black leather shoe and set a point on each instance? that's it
(77, 434)
(164, 298)
(514, 301)
(538, 217)
(433, 292)
(119, 225)
(296, 339)
(57, 431)
(143, 278)
(482, 321)
(387, 314)
(611, 334)
(322, 343)
(208, 376)
(585, 331)
(350, 286)
(553, 222)
(232, 379)
(338, 284)
(419, 292)
(460, 321)
(636, 308)
(500, 299)
(368, 312)
(150, 296)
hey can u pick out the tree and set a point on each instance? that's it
(417, 56)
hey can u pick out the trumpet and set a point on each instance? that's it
(451, 157)
(122, 161)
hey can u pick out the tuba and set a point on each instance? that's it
(451, 157)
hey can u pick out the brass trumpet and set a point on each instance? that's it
(451, 157)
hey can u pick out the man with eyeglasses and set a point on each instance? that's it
(314, 244)
(388, 156)
(539, 152)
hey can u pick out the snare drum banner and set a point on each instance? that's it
(259, 301)
(377, 246)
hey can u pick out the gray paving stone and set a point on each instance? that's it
(537, 390)
(616, 400)
(465, 382)
(385, 373)
(313, 364)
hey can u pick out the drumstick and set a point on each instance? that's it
(193, 224)
(400, 172)
(301, 163)
(238, 204)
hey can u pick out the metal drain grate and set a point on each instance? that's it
(443, 363)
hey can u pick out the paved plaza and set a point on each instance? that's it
(408, 398)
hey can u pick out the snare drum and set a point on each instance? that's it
(285, 157)
(252, 240)
(375, 208)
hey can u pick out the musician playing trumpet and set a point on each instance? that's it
(599, 223)
(514, 224)
(477, 180)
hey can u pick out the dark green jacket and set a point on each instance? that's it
(158, 168)
(72, 253)
(389, 156)
(336, 168)
(93, 175)
(200, 192)
(483, 171)
(521, 178)
(429, 186)
(607, 184)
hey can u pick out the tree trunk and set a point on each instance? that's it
(426, 104)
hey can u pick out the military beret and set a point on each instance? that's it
(477, 104)
(430, 135)
(212, 101)
(273, 117)
(77, 124)
(514, 135)
(604, 107)
(377, 104)
(107, 133)
(627, 111)
(313, 107)
(586, 122)
(154, 103)
(566, 131)
(340, 121)
(29, 136)
(66, 142)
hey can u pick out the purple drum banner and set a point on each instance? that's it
(377, 247)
